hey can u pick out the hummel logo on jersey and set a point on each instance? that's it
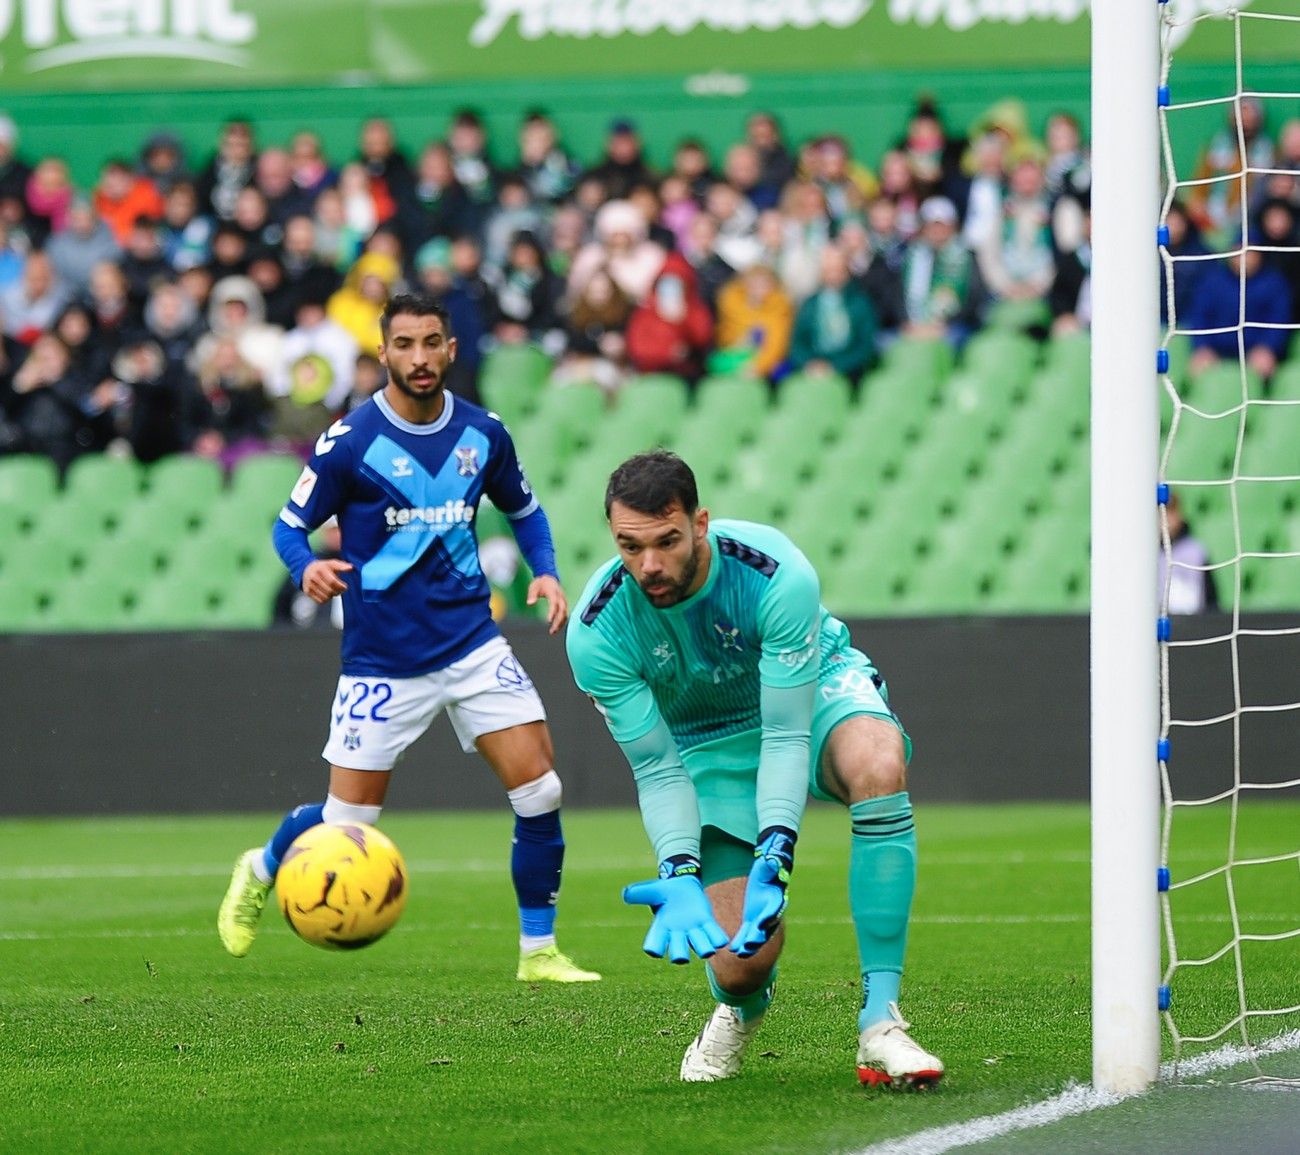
(325, 442)
(467, 461)
(419, 518)
(402, 467)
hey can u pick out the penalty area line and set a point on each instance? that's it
(1074, 1100)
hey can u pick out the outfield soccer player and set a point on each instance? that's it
(404, 474)
(732, 693)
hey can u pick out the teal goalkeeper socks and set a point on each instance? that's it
(749, 1007)
(882, 879)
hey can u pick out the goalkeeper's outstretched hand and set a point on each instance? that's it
(683, 918)
(765, 890)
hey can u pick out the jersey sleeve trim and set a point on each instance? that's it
(531, 507)
(290, 518)
(748, 555)
(603, 596)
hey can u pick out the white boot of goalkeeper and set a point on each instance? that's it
(718, 1049)
(889, 1056)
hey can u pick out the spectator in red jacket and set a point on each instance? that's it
(672, 329)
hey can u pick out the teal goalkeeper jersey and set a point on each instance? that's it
(710, 699)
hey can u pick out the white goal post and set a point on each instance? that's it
(1125, 433)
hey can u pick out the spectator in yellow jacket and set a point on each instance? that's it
(366, 289)
(755, 320)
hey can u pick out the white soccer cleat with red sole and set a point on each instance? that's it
(888, 1056)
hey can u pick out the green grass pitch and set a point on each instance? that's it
(125, 1028)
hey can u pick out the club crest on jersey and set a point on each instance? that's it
(402, 467)
(466, 460)
(729, 636)
(663, 653)
(352, 739)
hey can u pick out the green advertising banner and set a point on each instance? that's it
(101, 45)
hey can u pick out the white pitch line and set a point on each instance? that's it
(1074, 1100)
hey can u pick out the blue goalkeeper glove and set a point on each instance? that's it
(765, 890)
(683, 918)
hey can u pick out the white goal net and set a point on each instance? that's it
(1229, 523)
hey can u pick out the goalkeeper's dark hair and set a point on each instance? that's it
(651, 483)
(414, 305)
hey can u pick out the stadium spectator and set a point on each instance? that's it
(737, 242)
(755, 321)
(1285, 181)
(360, 211)
(1218, 306)
(1182, 575)
(898, 184)
(152, 399)
(622, 248)
(526, 296)
(110, 305)
(14, 171)
(804, 231)
(1185, 247)
(75, 327)
(671, 330)
(230, 169)
(878, 276)
(230, 251)
(438, 205)
(368, 377)
(986, 163)
(544, 165)
(777, 165)
(835, 328)
(314, 376)
(266, 271)
(700, 250)
(46, 407)
(385, 172)
(49, 194)
(84, 243)
(1016, 260)
(300, 258)
(596, 345)
(743, 169)
(513, 213)
(1070, 299)
(30, 305)
(236, 309)
(273, 178)
(162, 161)
(311, 171)
(252, 217)
(568, 233)
(143, 261)
(941, 290)
(472, 164)
(847, 184)
(171, 319)
(227, 416)
(1213, 200)
(1068, 171)
(186, 234)
(336, 244)
(121, 196)
(1279, 231)
(622, 167)
(934, 154)
(678, 209)
(646, 200)
(365, 292)
(692, 164)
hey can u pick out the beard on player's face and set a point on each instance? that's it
(670, 590)
(428, 378)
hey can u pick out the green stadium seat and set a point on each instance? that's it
(709, 447)
(92, 603)
(264, 482)
(1285, 385)
(1008, 356)
(827, 395)
(922, 362)
(50, 554)
(980, 405)
(1272, 444)
(27, 481)
(731, 406)
(135, 556)
(1203, 448)
(1218, 389)
(99, 489)
(1270, 583)
(156, 518)
(512, 379)
(656, 402)
(187, 479)
(1016, 316)
(939, 587)
(1069, 358)
(24, 601)
(181, 600)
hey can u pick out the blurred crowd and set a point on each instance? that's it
(229, 303)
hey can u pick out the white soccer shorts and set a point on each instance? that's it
(373, 720)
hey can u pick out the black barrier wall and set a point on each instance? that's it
(181, 723)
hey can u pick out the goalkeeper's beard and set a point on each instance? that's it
(672, 591)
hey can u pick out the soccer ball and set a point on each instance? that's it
(341, 886)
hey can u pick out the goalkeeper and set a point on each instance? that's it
(732, 693)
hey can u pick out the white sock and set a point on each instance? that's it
(530, 942)
(337, 811)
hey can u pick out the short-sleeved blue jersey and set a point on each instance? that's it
(405, 496)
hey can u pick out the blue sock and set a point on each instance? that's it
(536, 856)
(748, 1007)
(298, 819)
(882, 878)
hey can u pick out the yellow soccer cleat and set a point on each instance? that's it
(548, 965)
(242, 907)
